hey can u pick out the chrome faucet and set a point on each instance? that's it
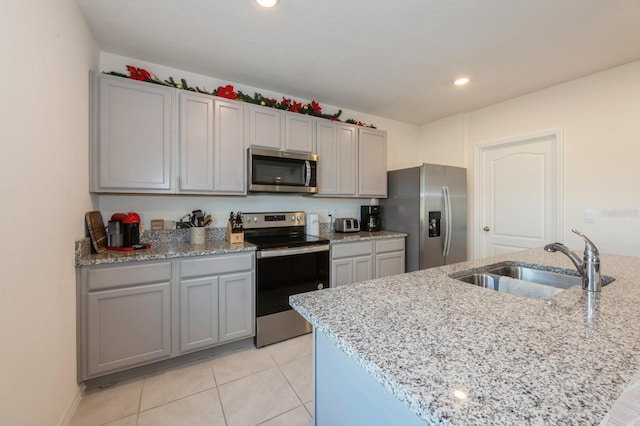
(589, 267)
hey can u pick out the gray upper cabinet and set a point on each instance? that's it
(279, 130)
(212, 157)
(336, 146)
(196, 143)
(149, 138)
(228, 148)
(134, 137)
(144, 132)
(264, 127)
(372, 163)
(298, 135)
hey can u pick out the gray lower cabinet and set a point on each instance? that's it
(216, 300)
(351, 263)
(360, 261)
(126, 316)
(142, 312)
(236, 306)
(198, 313)
(390, 257)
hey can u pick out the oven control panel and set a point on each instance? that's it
(272, 220)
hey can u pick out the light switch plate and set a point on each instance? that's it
(589, 216)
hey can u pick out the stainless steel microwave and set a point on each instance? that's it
(279, 171)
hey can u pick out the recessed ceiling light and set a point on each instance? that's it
(461, 81)
(267, 3)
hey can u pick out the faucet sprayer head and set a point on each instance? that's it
(552, 247)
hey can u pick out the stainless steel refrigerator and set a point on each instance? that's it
(429, 203)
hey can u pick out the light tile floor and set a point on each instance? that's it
(270, 386)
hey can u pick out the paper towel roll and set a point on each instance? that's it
(312, 226)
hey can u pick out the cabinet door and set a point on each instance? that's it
(127, 327)
(372, 163)
(196, 143)
(326, 144)
(236, 306)
(134, 137)
(341, 272)
(336, 146)
(198, 313)
(362, 268)
(298, 132)
(388, 264)
(347, 159)
(229, 153)
(264, 127)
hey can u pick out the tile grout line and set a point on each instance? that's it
(217, 387)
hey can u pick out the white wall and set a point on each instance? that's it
(443, 141)
(599, 117)
(46, 51)
(401, 150)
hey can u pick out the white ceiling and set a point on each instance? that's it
(393, 59)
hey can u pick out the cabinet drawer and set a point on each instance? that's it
(351, 250)
(130, 275)
(389, 245)
(216, 265)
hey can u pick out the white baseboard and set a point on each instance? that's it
(65, 420)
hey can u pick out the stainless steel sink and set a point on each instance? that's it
(489, 277)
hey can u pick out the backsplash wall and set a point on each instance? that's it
(173, 207)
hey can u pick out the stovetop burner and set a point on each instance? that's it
(291, 240)
(278, 230)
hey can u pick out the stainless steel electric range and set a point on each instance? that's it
(287, 262)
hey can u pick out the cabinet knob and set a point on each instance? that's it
(486, 229)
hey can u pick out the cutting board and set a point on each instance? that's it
(96, 231)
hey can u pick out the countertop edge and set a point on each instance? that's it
(404, 395)
(397, 390)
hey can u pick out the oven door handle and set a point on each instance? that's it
(263, 254)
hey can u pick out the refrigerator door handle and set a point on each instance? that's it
(447, 225)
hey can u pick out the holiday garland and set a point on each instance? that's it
(313, 108)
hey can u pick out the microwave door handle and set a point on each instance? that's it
(307, 165)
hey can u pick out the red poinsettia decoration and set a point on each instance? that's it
(285, 102)
(138, 73)
(227, 92)
(295, 106)
(315, 107)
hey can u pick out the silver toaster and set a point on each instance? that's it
(346, 224)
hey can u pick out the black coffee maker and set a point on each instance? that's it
(370, 218)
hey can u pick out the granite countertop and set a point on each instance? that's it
(349, 237)
(162, 250)
(175, 243)
(423, 335)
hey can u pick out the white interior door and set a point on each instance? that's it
(519, 194)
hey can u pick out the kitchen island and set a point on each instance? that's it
(424, 348)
